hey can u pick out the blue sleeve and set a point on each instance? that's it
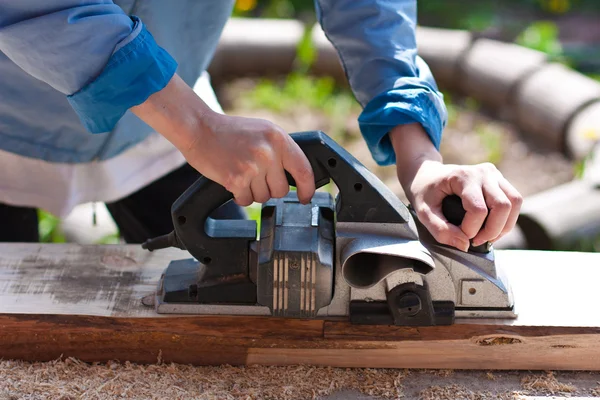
(376, 42)
(103, 60)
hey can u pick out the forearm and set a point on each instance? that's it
(177, 113)
(376, 41)
(412, 147)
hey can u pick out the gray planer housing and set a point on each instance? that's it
(363, 256)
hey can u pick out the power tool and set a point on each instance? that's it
(363, 256)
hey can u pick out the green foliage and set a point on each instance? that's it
(594, 76)
(542, 36)
(306, 53)
(296, 89)
(451, 108)
(49, 228)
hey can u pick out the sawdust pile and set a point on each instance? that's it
(72, 379)
(546, 384)
(455, 392)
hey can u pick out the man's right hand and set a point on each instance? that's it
(247, 156)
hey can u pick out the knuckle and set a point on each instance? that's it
(235, 182)
(460, 174)
(480, 208)
(488, 166)
(230, 183)
(262, 154)
(274, 134)
(516, 199)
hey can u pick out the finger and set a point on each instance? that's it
(476, 209)
(516, 201)
(500, 208)
(296, 163)
(277, 182)
(443, 231)
(243, 198)
(260, 190)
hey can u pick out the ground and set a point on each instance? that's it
(72, 379)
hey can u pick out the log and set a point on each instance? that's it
(85, 302)
(583, 132)
(267, 47)
(561, 217)
(547, 101)
(254, 47)
(442, 50)
(491, 70)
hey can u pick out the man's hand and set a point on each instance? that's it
(247, 156)
(427, 181)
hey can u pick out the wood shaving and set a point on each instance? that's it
(499, 340)
(459, 392)
(596, 391)
(546, 384)
(490, 376)
(73, 379)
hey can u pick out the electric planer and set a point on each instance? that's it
(363, 256)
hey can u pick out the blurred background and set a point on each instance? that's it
(299, 97)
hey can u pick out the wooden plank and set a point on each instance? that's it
(85, 302)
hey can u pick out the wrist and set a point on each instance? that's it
(177, 113)
(413, 148)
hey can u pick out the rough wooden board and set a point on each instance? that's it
(85, 302)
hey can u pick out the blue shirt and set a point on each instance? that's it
(71, 69)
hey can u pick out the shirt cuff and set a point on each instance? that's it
(133, 73)
(399, 107)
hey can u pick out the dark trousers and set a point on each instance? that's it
(143, 215)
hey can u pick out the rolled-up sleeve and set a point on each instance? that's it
(376, 42)
(103, 60)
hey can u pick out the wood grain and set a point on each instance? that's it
(85, 302)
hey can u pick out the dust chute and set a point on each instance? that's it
(368, 261)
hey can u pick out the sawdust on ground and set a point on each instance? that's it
(72, 379)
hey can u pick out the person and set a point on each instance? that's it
(97, 104)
